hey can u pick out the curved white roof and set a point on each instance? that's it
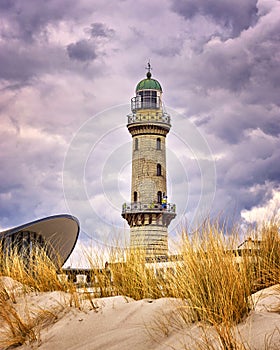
(60, 231)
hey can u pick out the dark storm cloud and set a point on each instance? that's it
(249, 62)
(247, 173)
(100, 30)
(239, 80)
(82, 50)
(25, 19)
(18, 64)
(248, 169)
(21, 63)
(26, 50)
(226, 69)
(232, 123)
(233, 92)
(86, 49)
(6, 5)
(218, 61)
(235, 15)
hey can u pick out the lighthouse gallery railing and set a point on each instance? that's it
(138, 206)
(149, 117)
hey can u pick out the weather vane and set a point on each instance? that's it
(149, 68)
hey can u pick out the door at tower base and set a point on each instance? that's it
(152, 240)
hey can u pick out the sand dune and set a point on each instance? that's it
(122, 323)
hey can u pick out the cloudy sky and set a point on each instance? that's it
(67, 72)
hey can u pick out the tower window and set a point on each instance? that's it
(158, 170)
(159, 197)
(158, 143)
(136, 145)
(135, 196)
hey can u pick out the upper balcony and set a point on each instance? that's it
(147, 101)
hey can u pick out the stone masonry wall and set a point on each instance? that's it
(144, 168)
(153, 238)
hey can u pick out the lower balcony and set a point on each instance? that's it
(135, 207)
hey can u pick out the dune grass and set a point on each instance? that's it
(210, 279)
(215, 288)
(37, 272)
(14, 330)
(268, 257)
(19, 324)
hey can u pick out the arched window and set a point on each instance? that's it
(158, 170)
(159, 197)
(136, 145)
(135, 196)
(158, 143)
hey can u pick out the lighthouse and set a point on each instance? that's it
(149, 213)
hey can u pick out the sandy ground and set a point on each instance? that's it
(115, 323)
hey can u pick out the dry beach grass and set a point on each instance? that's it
(208, 291)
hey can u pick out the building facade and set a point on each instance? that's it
(149, 213)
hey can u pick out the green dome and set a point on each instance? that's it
(148, 84)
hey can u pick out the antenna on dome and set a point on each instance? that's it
(149, 68)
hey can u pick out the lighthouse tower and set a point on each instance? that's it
(149, 213)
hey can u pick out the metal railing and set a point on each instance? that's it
(138, 207)
(145, 102)
(149, 117)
